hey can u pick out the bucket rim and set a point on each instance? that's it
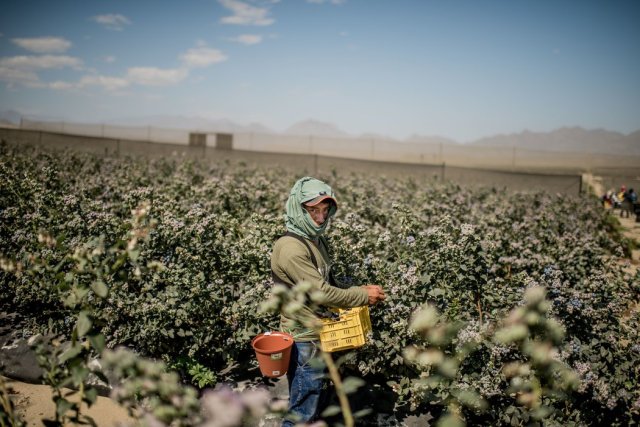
(287, 341)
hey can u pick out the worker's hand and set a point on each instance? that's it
(375, 293)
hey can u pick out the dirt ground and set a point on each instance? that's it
(33, 403)
(632, 230)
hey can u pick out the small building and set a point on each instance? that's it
(222, 141)
(197, 139)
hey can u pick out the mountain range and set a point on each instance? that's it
(566, 139)
(569, 139)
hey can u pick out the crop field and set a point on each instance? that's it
(503, 308)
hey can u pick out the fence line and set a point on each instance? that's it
(376, 149)
(303, 163)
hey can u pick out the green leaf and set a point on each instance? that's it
(471, 399)
(63, 406)
(90, 395)
(70, 353)
(87, 420)
(450, 420)
(331, 410)
(436, 292)
(511, 333)
(541, 412)
(363, 412)
(97, 342)
(80, 291)
(70, 301)
(134, 254)
(84, 323)
(100, 288)
(351, 384)
(79, 374)
(116, 265)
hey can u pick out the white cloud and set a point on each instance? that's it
(112, 21)
(61, 85)
(109, 83)
(245, 14)
(152, 76)
(146, 76)
(109, 59)
(21, 70)
(202, 57)
(29, 62)
(13, 76)
(106, 82)
(43, 44)
(247, 39)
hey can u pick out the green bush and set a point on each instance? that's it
(191, 290)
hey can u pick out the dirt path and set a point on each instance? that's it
(630, 228)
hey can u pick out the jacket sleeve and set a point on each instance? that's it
(298, 268)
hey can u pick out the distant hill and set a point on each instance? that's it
(7, 124)
(191, 123)
(430, 139)
(317, 128)
(569, 140)
(566, 139)
(10, 117)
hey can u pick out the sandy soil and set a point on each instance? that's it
(631, 230)
(33, 403)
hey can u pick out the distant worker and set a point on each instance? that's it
(607, 199)
(623, 190)
(629, 199)
(618, 197)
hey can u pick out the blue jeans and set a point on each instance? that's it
(307, 383)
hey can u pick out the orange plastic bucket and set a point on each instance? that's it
(273, 350)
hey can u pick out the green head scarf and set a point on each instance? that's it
(297, 219)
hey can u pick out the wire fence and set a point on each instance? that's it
(508, 167)
(375, 149)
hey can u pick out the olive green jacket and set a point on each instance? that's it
(291, 262)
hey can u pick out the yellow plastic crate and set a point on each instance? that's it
(348, 332)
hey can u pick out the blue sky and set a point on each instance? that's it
(458, 69)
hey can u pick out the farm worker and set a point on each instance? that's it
(630, 198)
(607, 199)
(621, 193)
(302, 255)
